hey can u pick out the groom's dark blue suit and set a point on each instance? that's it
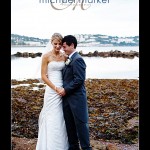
(75, 103)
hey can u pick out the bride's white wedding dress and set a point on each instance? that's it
(52, 133)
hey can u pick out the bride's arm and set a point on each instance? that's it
(44, 73)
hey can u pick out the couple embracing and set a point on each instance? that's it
(63, 120)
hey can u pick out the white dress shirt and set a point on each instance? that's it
(72, 54)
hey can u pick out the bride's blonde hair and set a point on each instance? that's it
(57, 36)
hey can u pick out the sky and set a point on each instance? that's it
(114, 18)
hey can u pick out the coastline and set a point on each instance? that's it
(78, 46)
(28, 46)
(113, 110)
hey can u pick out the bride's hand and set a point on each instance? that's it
(59, 89)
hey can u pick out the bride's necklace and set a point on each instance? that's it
(56, 56)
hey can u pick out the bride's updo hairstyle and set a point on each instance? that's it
(57, 36)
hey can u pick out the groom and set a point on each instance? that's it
(74, 97)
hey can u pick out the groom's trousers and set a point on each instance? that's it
(78, 131)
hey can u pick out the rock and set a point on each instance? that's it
(111, 147)
(97, 145)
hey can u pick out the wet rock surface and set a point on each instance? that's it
(113, 110)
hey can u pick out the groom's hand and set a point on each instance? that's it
(62, 92)
(58, 89)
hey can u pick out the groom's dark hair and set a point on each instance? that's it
(69, 39)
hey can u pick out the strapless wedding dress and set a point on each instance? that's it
(52, 133)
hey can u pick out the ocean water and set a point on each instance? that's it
(97, 67)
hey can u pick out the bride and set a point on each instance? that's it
(52, 133)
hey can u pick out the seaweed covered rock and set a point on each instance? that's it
(112, 103)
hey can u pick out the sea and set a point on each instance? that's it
(97, 67)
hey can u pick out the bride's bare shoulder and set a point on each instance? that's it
(46, 55)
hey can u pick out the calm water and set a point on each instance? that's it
(97, 67)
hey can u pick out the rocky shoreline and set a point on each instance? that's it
(116, 53)
(113, 110)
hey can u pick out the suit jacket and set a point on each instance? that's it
(74, 76)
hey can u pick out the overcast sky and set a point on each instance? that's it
(116, 18)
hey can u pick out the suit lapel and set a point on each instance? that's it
(72, 57)
(64, 69)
